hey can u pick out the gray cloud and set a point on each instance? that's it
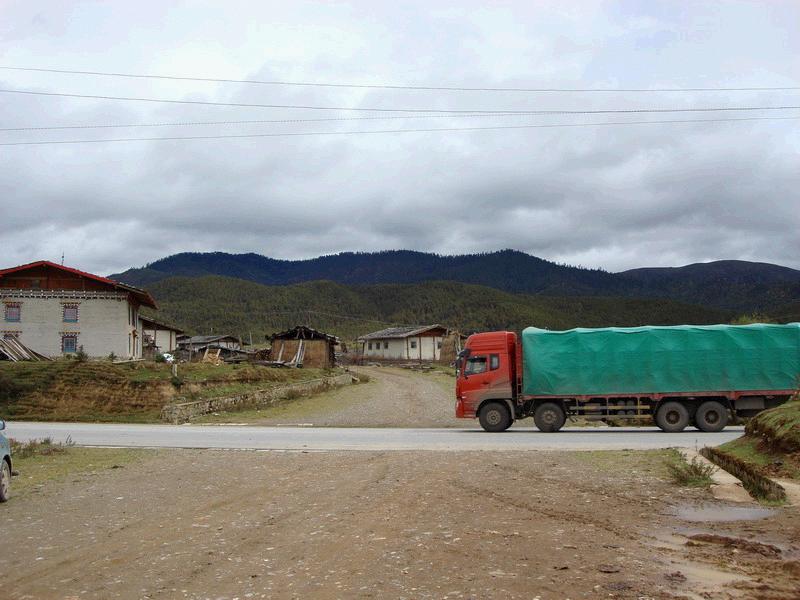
(614, 197)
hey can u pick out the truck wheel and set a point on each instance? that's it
(711, 416)
(549, 417)
(672, 417)
(495, 416)
(5, 481)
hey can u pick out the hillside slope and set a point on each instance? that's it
(726, 283)
(735, 285)
(241, 307)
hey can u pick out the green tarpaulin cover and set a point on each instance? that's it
(683, 358)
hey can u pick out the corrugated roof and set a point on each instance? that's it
(207, 339)
(160, 324)
(400, 332)
(303, 332)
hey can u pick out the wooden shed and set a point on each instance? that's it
(302, 346)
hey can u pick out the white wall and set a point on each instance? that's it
(163, 338)
(104, 324)
(400, 348)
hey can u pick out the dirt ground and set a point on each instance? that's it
(243, 524)
(393, 397)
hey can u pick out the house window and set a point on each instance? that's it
(413, 343)
(386, 345)
(369, 346)
(70, 313)
(13, 312)
(439, 345)
(69, 343)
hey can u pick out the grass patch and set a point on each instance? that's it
(99, 391)
(693, 473)
(778, 428)
(43, 461)
(631, 461)
(766, 460)
(296, 406)
(43, 447)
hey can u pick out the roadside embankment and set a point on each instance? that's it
(767, 458)
(69, 390)
(183, 412)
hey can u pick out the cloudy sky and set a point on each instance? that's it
(613, 196)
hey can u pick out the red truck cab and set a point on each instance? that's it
(487, 383)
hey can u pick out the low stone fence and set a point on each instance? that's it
(186, 411)
(755, 483)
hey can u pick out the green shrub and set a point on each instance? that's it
(751, 318)
(694, 473)
(43, 447)
(81, 355)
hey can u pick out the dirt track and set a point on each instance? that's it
(393, 398)
(239, 524)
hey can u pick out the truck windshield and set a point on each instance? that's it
(475, 365)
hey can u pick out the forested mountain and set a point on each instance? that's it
(508, 270)
(241, 307)
(735, 285)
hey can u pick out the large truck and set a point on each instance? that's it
(675, 376)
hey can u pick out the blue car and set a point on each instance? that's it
(5, 464)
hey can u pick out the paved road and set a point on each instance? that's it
(330, 438)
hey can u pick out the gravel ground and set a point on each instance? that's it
(392, 398)
(243, 524)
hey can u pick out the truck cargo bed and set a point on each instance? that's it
(660, 360)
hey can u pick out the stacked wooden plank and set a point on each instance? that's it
(14, 350)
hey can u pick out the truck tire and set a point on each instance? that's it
(549, 417)
(495, 416)
(672, 417)
(711, 416)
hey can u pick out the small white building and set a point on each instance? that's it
(404, 343)
(56, 310)
(159, 337)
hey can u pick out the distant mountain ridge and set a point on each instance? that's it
(214, 303)
(729, 284)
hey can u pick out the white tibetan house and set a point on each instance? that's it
(423, 343)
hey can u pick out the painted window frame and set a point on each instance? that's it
(13, 306)
(69, 336)
(70, 306)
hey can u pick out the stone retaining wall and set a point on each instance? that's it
(755, 483)
(186, 411)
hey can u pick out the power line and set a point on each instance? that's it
(434, 129)
(399, 87)
(250, 122)
(406, 110)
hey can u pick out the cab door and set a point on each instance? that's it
(481, 378)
